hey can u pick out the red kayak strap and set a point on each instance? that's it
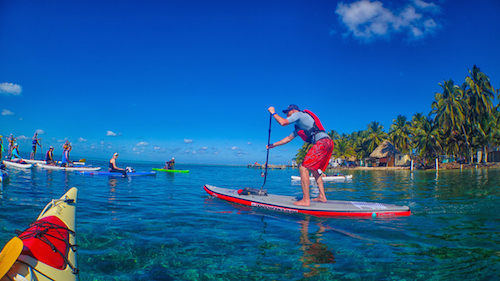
(47, 240)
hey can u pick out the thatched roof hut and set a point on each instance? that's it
(385, 149)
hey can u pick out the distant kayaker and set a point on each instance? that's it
(309, 128)
(169, 165)
(112, 165)
(49, 156)
(35, 141)
(65, 157)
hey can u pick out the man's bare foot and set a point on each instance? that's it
(302, 203)
(319, 199)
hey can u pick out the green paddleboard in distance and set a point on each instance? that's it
(170, 171)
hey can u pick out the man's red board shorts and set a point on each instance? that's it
(319, 155)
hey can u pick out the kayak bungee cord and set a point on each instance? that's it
(267, 156)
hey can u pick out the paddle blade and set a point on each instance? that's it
(9, 255)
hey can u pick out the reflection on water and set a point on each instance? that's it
(315, 252)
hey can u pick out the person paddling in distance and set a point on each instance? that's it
(65, 156)
(11, 140)
(1, 148)
(113, 168)
(169, 165)
(35, 142)
(310, 129)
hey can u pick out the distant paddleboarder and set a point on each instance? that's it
(309, 128)
(112, 165)
(35, 142)
(1, 148)
(65, 157)
(11, 140)
(169, 165)
(49, 156)
(15, 152)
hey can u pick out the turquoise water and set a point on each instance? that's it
(167, 228)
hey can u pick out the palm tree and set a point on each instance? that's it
(426, 137)
(375, 136)
(343, 148)
(480, 95)
(448, 110)
(399, 134)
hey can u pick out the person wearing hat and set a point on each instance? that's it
(112, 165)
(169, 165)
(49, 156)
(310, 129)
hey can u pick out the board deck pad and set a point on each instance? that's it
(330, 208)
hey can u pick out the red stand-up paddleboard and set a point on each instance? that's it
(285, 204)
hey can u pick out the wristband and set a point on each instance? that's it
(273, 114)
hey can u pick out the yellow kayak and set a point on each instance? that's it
(45, 250)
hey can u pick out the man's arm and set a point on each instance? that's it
(282, 142)
(282, 121)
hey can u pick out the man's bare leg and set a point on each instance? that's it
(304, 179)
(319, 181)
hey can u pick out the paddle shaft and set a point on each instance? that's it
(268, 143)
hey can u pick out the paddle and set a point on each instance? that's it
(267, 156)
(9, 255)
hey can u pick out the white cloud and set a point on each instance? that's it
(111, 134)
(142, 143)
(156, 148)
(21, 137)
(10, 89)
(7, 112)
(234, 148)
(188, 141)
(40, 131)
(367, 20)
(426, 6)
(80, 139)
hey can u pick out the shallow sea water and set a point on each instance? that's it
(168, 228)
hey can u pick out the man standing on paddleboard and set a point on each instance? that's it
(309, 128)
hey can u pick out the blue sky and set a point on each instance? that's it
(193, 79)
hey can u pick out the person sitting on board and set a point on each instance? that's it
(169, 165)
(113, 168)
(35, 142)
(309, 128)
(49, 156)
(15, 153)
(65, 157)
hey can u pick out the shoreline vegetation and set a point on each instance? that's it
(461, 130)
